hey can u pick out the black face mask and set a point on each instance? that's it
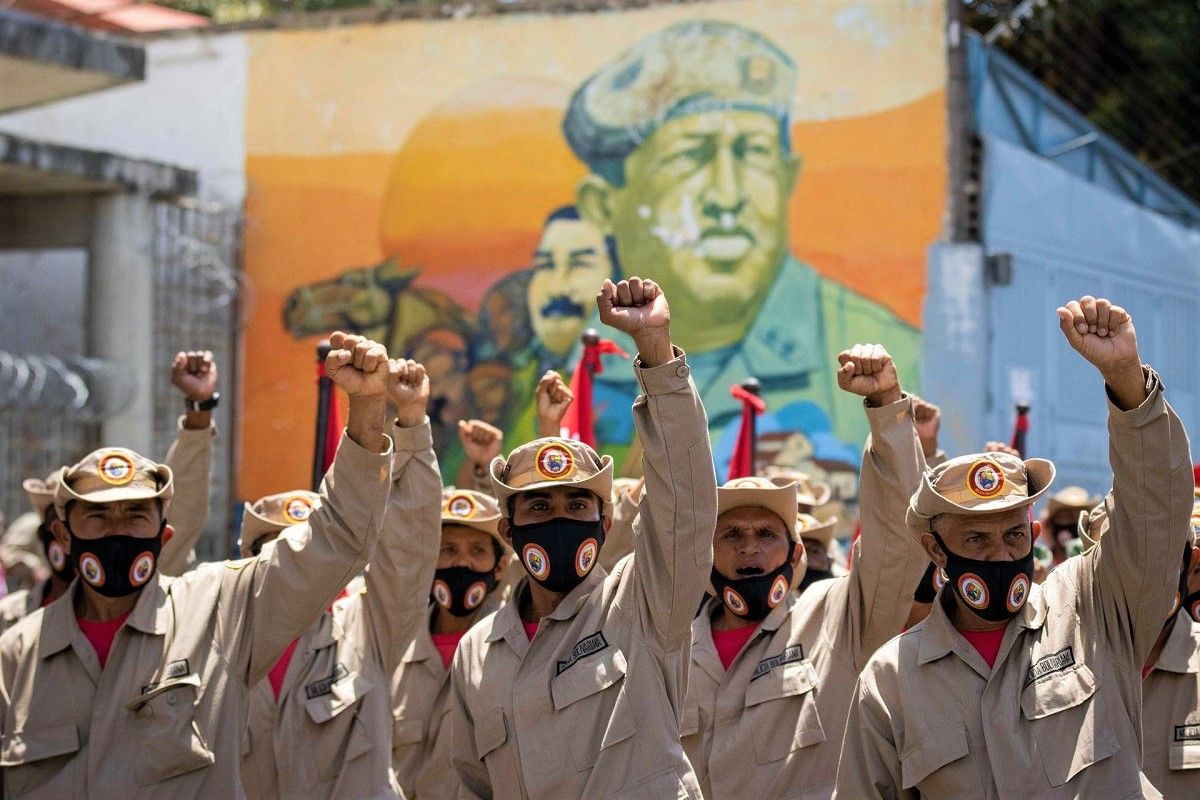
(60, 562)
(116, 566)
(560, 552)
(754, 597)
(814, 575)
(994, 590)
(461, 590)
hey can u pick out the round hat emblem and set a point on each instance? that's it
(985, 479)
(554, 462)
(297, 509)
(461, 506)
(115, 469)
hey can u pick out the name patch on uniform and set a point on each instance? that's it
(325, 685)
(1054, 662)
(176, 669)
(586, 646)
(1188, 733)
(788, 656)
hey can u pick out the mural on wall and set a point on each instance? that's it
(776, 167)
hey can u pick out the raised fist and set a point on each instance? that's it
(927, 419)
(1001, 447)
(553, 399)
(481, 442)
(868, 371)
(358, 365)
(633, 306)
(1100, 332)
(408, 389)
(195, 374)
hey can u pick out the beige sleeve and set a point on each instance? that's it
(869, 768)
(618, 543)
(268, 601)
(1131, 578)
(190, 460)
(888, 563)
(672, 540)
(401, 569)
(474, 781)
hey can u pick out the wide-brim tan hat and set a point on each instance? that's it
(41, 491)
(1072, 498)
(275, 513)
(812, 528)
(112, 475)
(1093, 524)
(755, 492)
(552, 462)
(474, 510)
(809, 492)
(983, 483)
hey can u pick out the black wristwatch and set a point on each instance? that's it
(203, 405)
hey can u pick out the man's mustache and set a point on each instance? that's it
(562, 306)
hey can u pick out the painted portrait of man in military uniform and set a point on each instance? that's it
(687, 139)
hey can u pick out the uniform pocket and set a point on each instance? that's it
(782, 701)
(27, 747)
(169, 742)
(490, 732)
(591, 688)
(333, 705)
(1071, 736)
(936, 751)
(1184, 755)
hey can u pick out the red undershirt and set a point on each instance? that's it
(530, 629)
(446, 644)
(101, 635)
(279, 671)
(986, 642)
(730, 643)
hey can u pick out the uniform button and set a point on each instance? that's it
(172, 700)
(683, 371)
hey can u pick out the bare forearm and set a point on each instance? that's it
(366, 422)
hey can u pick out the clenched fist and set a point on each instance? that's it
(481, 442)
(639, 309)
(553, 399)
(195, 374)
(1103, 334)
(868, 371)
(927, 419)
(408, 389)
(357, 364)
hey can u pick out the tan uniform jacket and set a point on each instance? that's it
(591, 707)
(1059, 716)
(329, 734)
(165, 718)
(1171, 714)
(772, 725)
(189, 459)
(618, 542)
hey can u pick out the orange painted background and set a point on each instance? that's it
(464, 192)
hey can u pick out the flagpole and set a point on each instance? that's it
(324, 392)
(1020, 429)
(754, 387)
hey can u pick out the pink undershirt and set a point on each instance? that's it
(446, 644)
(530, 629)
(730, 643)
(101, 635)
(986, 642)
(277, 673)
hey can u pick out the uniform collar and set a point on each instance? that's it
(1181, 653)
(939, 638)
(704, 649)
(571, 604)
(506, 622)
(784, 341)
(151, 613)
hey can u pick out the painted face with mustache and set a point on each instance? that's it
(569, 265)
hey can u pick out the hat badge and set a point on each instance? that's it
(461, 505)
(115, 469)
(554, 462)
(985, 479)
(297, 509)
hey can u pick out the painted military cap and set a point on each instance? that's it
(275, 512)
(687, 68)
(111, 475)
(472, 509)
(41, 491)
(551, 462)
(984, 483)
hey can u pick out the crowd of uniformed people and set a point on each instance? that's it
(547, 631)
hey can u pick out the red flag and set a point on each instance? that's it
(1020, 430)
(577, 423)
(333, 423)
(741, 465)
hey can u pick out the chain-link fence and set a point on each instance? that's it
(196, 307)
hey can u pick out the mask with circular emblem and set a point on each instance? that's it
(536, 561)
(141, 569)
(441, 594)
(56, 555)
(734, 602)
(778, 591)
(973, 590)
(475, 595)
(1017, 592)
(939, 579)
(90, 569)
(585, 557)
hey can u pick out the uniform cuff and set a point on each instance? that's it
(1153, 407)
(417, 438)
(352, 457)
(879, 417)
(673, 376)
